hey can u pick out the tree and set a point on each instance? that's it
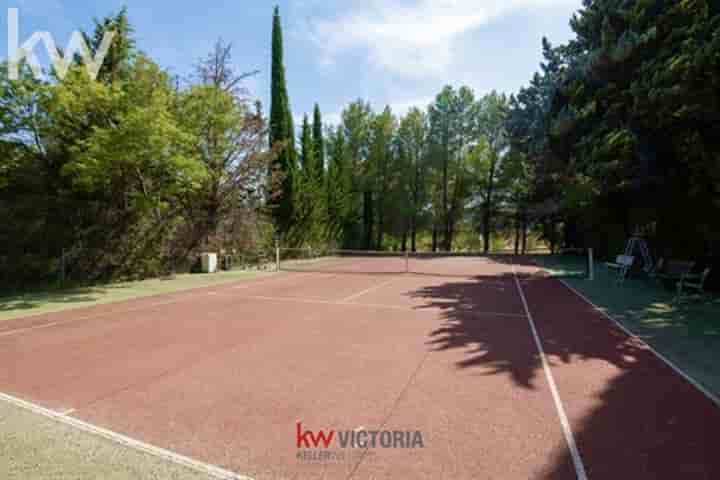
(359, 223)
(340, 208)
(307, 148)
(492, 116)
(453, 128)
(227, 138)
(381, 171)
(412, 140)
(129, 175)
(319, 144)
(516, 184)
(119, 57)
(282, 135)
(308, 218)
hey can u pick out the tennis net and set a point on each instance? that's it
(458, 264)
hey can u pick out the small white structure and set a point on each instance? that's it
(209, 262)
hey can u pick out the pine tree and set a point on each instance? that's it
(282, 135)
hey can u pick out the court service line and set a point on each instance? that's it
(567, 430)
(313, 301)
(120, 439)
(712, 397)
(369, 290)
(187, 295)
(248, 285)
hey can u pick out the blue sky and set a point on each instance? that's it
(397, 52)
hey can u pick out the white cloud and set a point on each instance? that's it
(411, 39)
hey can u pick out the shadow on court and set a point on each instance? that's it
(632, 416)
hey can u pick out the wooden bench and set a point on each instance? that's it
(623, 264)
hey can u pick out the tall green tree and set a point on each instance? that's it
(308, 214)
(356, 126)
(493, 109)
(282, 135)
(340, 208)
(453, 128)
(318, 138)
(227, 136)
(307, 147)
(119, 57)
(382, 172)
(413, 148)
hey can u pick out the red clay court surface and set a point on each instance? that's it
(222, 375)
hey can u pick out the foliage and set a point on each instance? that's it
(129, 175)
(621, 126)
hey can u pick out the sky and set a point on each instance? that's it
(388, 52)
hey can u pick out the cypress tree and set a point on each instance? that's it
(281, 133)
(319, 143)
(307, 155)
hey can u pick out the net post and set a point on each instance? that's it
(591, 264)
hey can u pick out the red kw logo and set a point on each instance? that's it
(310, 439)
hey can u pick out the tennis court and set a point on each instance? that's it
(504, 371)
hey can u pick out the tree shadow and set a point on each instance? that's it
(488, 341)
(43, 299)
(632, 415)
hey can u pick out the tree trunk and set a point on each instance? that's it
(488, 214)
(380, 228)
(413, 234)
(450, 235)
(486, 230)
(416, 207)
(524, 233)
(553, 237)
(368, 219)
(435, 239)
(518, 225)
(446, 211)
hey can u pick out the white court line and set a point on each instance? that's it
(567, 430)
(325, 302)
(363, 305)
(87, 317)
(192, 295)
(201, 467)
(245, 286)
(712, 397)
(369, 290)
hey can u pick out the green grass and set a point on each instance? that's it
(686, 331)
(36, 447)
(53, 300)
